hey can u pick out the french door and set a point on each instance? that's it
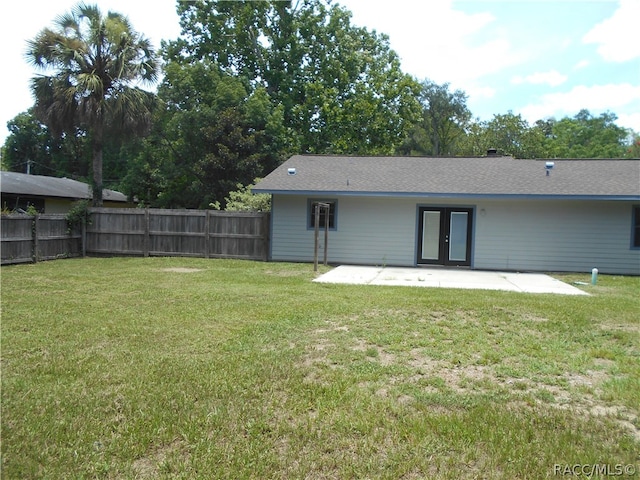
(444, 236)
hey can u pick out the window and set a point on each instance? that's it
(323, 214)
(635, 232)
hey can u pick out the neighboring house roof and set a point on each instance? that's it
(41, 186)
(454, 176)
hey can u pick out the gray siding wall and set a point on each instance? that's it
(571, 236)
(526, 235)
(370, 230)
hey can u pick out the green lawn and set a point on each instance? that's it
(193, 368)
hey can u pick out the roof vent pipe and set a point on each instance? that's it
(548, 166)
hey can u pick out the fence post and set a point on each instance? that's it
(147, 241)
(326, 209)
(326, 235)
(34, 233)
(83, 234)
(316, 227)
(266, 231)
(207, 222)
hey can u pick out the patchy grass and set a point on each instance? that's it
(191, 368)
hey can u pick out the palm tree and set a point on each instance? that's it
(90, 67)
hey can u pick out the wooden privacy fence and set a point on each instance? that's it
(190, 233)
(138, 232)
(31, 238)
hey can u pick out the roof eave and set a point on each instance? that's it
(505, 196)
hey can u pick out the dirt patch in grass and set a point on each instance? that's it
(374, 352)
(630, 328)
(284, 273)
(182, 270)
(315, 361)
(333, 328)
(455, 377)
(149, 466)
(578, 392)
(527, 317)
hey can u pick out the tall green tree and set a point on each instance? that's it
(340, 86)
(512, 135)
(90, 67)
(29, 148)
(474, 143)
(210, 135)
(509, 134)
(586, 136)
(443, 123)
(634, 148)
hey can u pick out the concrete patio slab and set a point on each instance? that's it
(448, 278)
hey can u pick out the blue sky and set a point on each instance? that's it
(537, 58)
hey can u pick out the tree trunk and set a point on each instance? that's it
(97, 166)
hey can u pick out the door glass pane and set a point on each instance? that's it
(458, 237)
(430, 235)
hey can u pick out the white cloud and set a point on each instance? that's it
(477, 91)
(551, 78)
(615, 36)
(629, 120)
(437, 41)
(596, 98)
(459, 62)
(581, 64)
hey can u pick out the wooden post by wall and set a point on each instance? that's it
(326, 233)
(326, 208)
(316, 227)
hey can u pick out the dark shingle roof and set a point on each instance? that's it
(42, 186)
(454, 176)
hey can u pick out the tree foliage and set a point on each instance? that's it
(327, 74)
(582, 136)
(633, 151)
(29, 148)
(586, 136)
(243, 200)
(443, 122)
(89, 64)
(511, 134)
(210, 135)
(246, 85)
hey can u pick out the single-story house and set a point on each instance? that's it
(49, 194)
(493, 212)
